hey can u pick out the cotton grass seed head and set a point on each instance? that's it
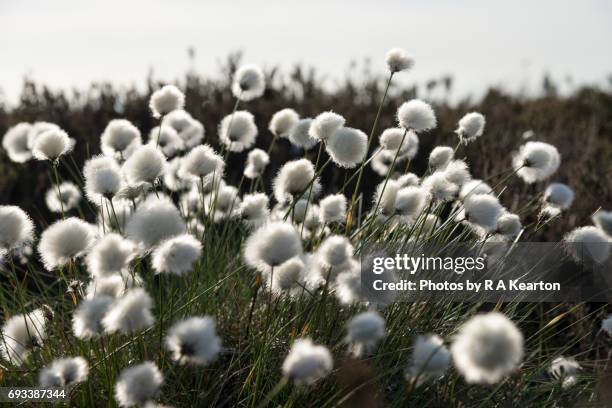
(129, 313)
(21, 333)
(536, 161)
(335, 251)
(347, 147)
(254, 209)
(165, 100)
(487, 348)
(603, 220)
(111, 254)
(146, 164)
(307, 362)
(483, 210)
(408, 179)
(138, 384)
(113, 285)
(333, 208)
(52, 144)
(224, 202)
(87, 318)
(166, 139)
(394, 139)
(430, 358)
(119, 138)
(457, 172)
(471, 127)
(177, 255)
(606, 325)
(15, 142)
(257, 161)
(64, 372)
(202, 161)
(411, 201)
(282, 122)
(238, 131)
(364, 331)
(416, 115)
(249, 83)
(292, 179)
(385, 195)
(398, 60)
(173, 179)
(65, 240)
(474, 187)
(64, 197)
(194, 340)
(325, 125)
(16, 227)
(299, 134)
(271, 245)
(509, 224)
(289, 277)
(559, 195)
(102, 178)
(154, 220)
(565, 370)
(439, 187)
(440, 156)
(588, 244)
(37, 129)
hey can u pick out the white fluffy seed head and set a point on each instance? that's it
(177, 255)
(87, 318)
(408, 179)
(474, 187)
(536, 161)
(483, 210)
(411, 201)
(394, 139)
(225, 202)
(439, 187)
(120, 138)
(130, 313)
(65, 240)
(271, 245)
(37, 129)
(190, 130)
(138, 384)
(307, 362)
(325, 125)
(52, 144)
(113, 285)
(364, 331)
(111, 254)
(293, 179)
(398, 60)
(509, 224)
(335, 251)
(487, 348)
(256, 164)
(457, 172)
(440, 156)
(173, 179)
(559, 195)
(588, 244)
(333, 208)
(16, 227)
(347, 147)
(102, 178)
(194, 340)
(416, 115)
(430, 358)
(282, 122)
(202, 161)
(62, 198)
(603, 220)
(64, 372)
(565, 370)
(166, 100)
(238, 131)
(299, 134)
(471, 127)
(166, 139)
(254, 209)
(146, 164)
(249, 83)
(22, 332)
(154, 220)
(289, 277)
(15, 142)
(606, 325)
(385, 196)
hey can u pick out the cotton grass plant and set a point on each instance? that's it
(176, 283)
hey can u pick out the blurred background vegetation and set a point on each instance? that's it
(580, 125)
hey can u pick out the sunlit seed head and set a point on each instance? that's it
(385, 196)
(64, 372)
(487, 348)
(254, 209)
(474, 187)
(271, 245)
(588, 244)
(130, 313)
(154, 220)
(299, 134)
(87, 317)
(347, 147)
(559, 195)
(333, 208)
(102, 179)
(15, 142)
(202, 161)
(177, 255)
(257, 161)
(603, 220)
(348, 287)
(364, 331)
(440, 156)
(167, 140)
(166, 100)
(430, 358)
(172, 176)
(536, 161)
(408, 179)
(335, 251)
(292, 179)
(238, 131)
(439, 187)
(112, 285)
(288, 278)
(37, 129)
(21, 333)
(411, 201)
(16, 227)
(394, 139)
(416, 115)
(606, 325)
(398, 60)
(64, 197)
(65, 240)
(483, 210)
(223, 203)
(325, 125)
(282, 122)
(565, 370)
(509, 224)
(120, 138)
(111, 254)
(138, 384)
(471, 127)
(249, 83)
(307, 362)
(146, 164)
(194, 341)
(457, 172)
(52, 144)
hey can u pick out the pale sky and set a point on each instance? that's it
(69, 43)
